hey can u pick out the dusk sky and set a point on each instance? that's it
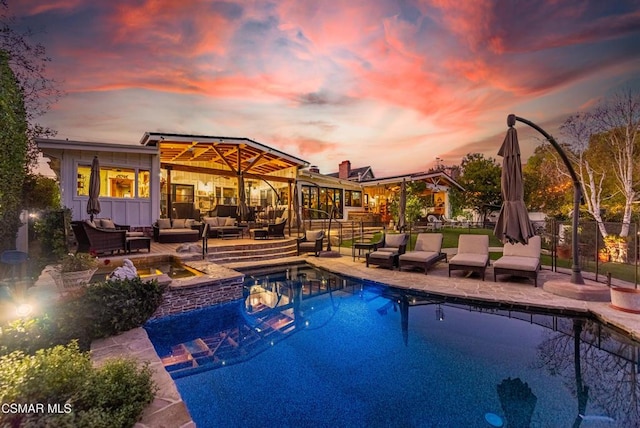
(390, 84)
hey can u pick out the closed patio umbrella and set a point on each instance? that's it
(402, 206)
(513, 223)
(93, 204)
(296, 207)
(242, 210)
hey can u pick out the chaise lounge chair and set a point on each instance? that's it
(473, 254)
(426, 253)
(520, 260)
(387, 254)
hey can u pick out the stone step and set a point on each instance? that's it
(254, 246)
(250, 252)
(253, 257)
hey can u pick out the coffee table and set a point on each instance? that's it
(138, 243)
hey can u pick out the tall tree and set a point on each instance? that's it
(29, 62)
(545, 188)
(481, 180)
(13, 145)
(617, 120)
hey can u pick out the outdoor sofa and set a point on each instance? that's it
(386, 255)
(520, 260)
(100, 241)
(473, 254)
(312, 242)
(175, 230)
(221, 226)
(427, 252)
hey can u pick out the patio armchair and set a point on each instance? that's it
(100, 241)
(428, 251)
(473, 254)
(520, 260)
(387, 254)
(312, 242)
(272, 230)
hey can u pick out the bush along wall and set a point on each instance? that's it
(58, 387)
(101, 310)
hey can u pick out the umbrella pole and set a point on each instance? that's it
(576, 274)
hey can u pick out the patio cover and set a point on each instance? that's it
(221, 155)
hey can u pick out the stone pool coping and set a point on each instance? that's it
(168, 409)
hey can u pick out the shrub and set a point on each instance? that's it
(102, 310)
(111, 396)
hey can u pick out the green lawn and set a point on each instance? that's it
(449, 238)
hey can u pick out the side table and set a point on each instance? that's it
(138, 243)
(369, 246)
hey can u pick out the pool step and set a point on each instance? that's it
(226, 346)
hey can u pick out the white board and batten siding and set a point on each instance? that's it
(134, 211)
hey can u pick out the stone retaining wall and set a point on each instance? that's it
(181, 299)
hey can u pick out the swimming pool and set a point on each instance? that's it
(329, 351)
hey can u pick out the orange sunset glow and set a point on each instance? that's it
(391, 84)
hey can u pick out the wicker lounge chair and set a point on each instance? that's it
(520, 260)
(387, 254)
(100, 241)
(426, 253)
(273, 230)
(311, 242)
(473, 254)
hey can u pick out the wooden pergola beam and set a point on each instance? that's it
(223, 172)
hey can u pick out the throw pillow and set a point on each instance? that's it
(164, 223)
(229, 221)
(106, 223)
(178, 223)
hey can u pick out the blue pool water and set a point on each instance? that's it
(330, 352)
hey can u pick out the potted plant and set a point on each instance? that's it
(74, 271)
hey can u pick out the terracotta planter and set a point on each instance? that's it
(563, 252)
(68, 281)
(625, 299)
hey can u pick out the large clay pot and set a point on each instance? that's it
(625, 299)
(563, 251)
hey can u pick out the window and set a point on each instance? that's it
(353, 198)
(115, 182)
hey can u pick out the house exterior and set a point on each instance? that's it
(129, 179)
(174, 175)
(189, 176)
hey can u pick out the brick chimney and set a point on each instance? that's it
(344, 169)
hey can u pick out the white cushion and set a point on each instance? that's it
(173, 231)
(381, 255)
(529, 264)
(134, 234)
(211, 221)
(164, 223)
(469, 259)
(473, 244)
(419, 256)
(229, 221)
(178, 223)
(429, 242)
(394, 240)
(389, 249)
(312, 235)
(532, 249)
